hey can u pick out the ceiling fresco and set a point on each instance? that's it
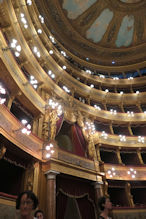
(102, 30)
(76, 7)
(99, 26)
(125, 34)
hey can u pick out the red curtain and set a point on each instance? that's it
(78, 140)
(61, 202)
(86, 207)
(80, 190)
(59, 124)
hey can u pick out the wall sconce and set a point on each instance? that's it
(132, 172)
(26, 129)
(23, 20)
(52, 39)
(104, 135)
(14, 46)
(54, 105)
(48, 149)
(111, 172)
(2, 94)
(51, 74)
(34, 83)
(141, 139)
(29, 2)
(122, 138)
(89, 127)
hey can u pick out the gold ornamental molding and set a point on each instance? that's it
(10, 127)
(74, 165)
(121, 172)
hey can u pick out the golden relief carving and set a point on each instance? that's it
(29, 178)
(80, 119)
(129, 196)
(105, 188)
(91, 148)
(69, 115)
(49, 124)
(45, 126)
(53, 118)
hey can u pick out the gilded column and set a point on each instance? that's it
(119, 156)
(130, 130)
(129, 196)
(139, 156)
(35, 125)
(10, 101)
(40, 125)
(111, 129)
(98, 152)
(51, 194)
(45, 125)
(91, 148)
(36, 177)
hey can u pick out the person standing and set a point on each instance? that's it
(26, 202)
(39, 214)
(105, 207)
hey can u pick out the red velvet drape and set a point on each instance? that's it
(86, 207)
(61, 201)
(79, 189)
(59, 123)
(78, 140)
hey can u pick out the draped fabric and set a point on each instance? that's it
(83, 204)
(75, 195)
(61, 203)
(11, 178)
(81, 136)
(78, 140)
(72, 210)
(59, 124)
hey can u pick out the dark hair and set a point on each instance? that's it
(30, 195)
(38, 211)
(101, 202)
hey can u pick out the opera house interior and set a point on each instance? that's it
(73, 106)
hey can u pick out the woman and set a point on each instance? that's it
(105, 206)
(39, 214)
(26, 203)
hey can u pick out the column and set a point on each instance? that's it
(98, 187)
(119, 156)
(10, 101)
(36, 178)
(51, 194)
(139, 156)
(98, 152)
(129, 196)
(98, 190)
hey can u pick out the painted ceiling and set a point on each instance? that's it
(101, 24)
(101, 30)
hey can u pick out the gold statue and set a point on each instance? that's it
(53, 118)
(91, 148)
(45, 128)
